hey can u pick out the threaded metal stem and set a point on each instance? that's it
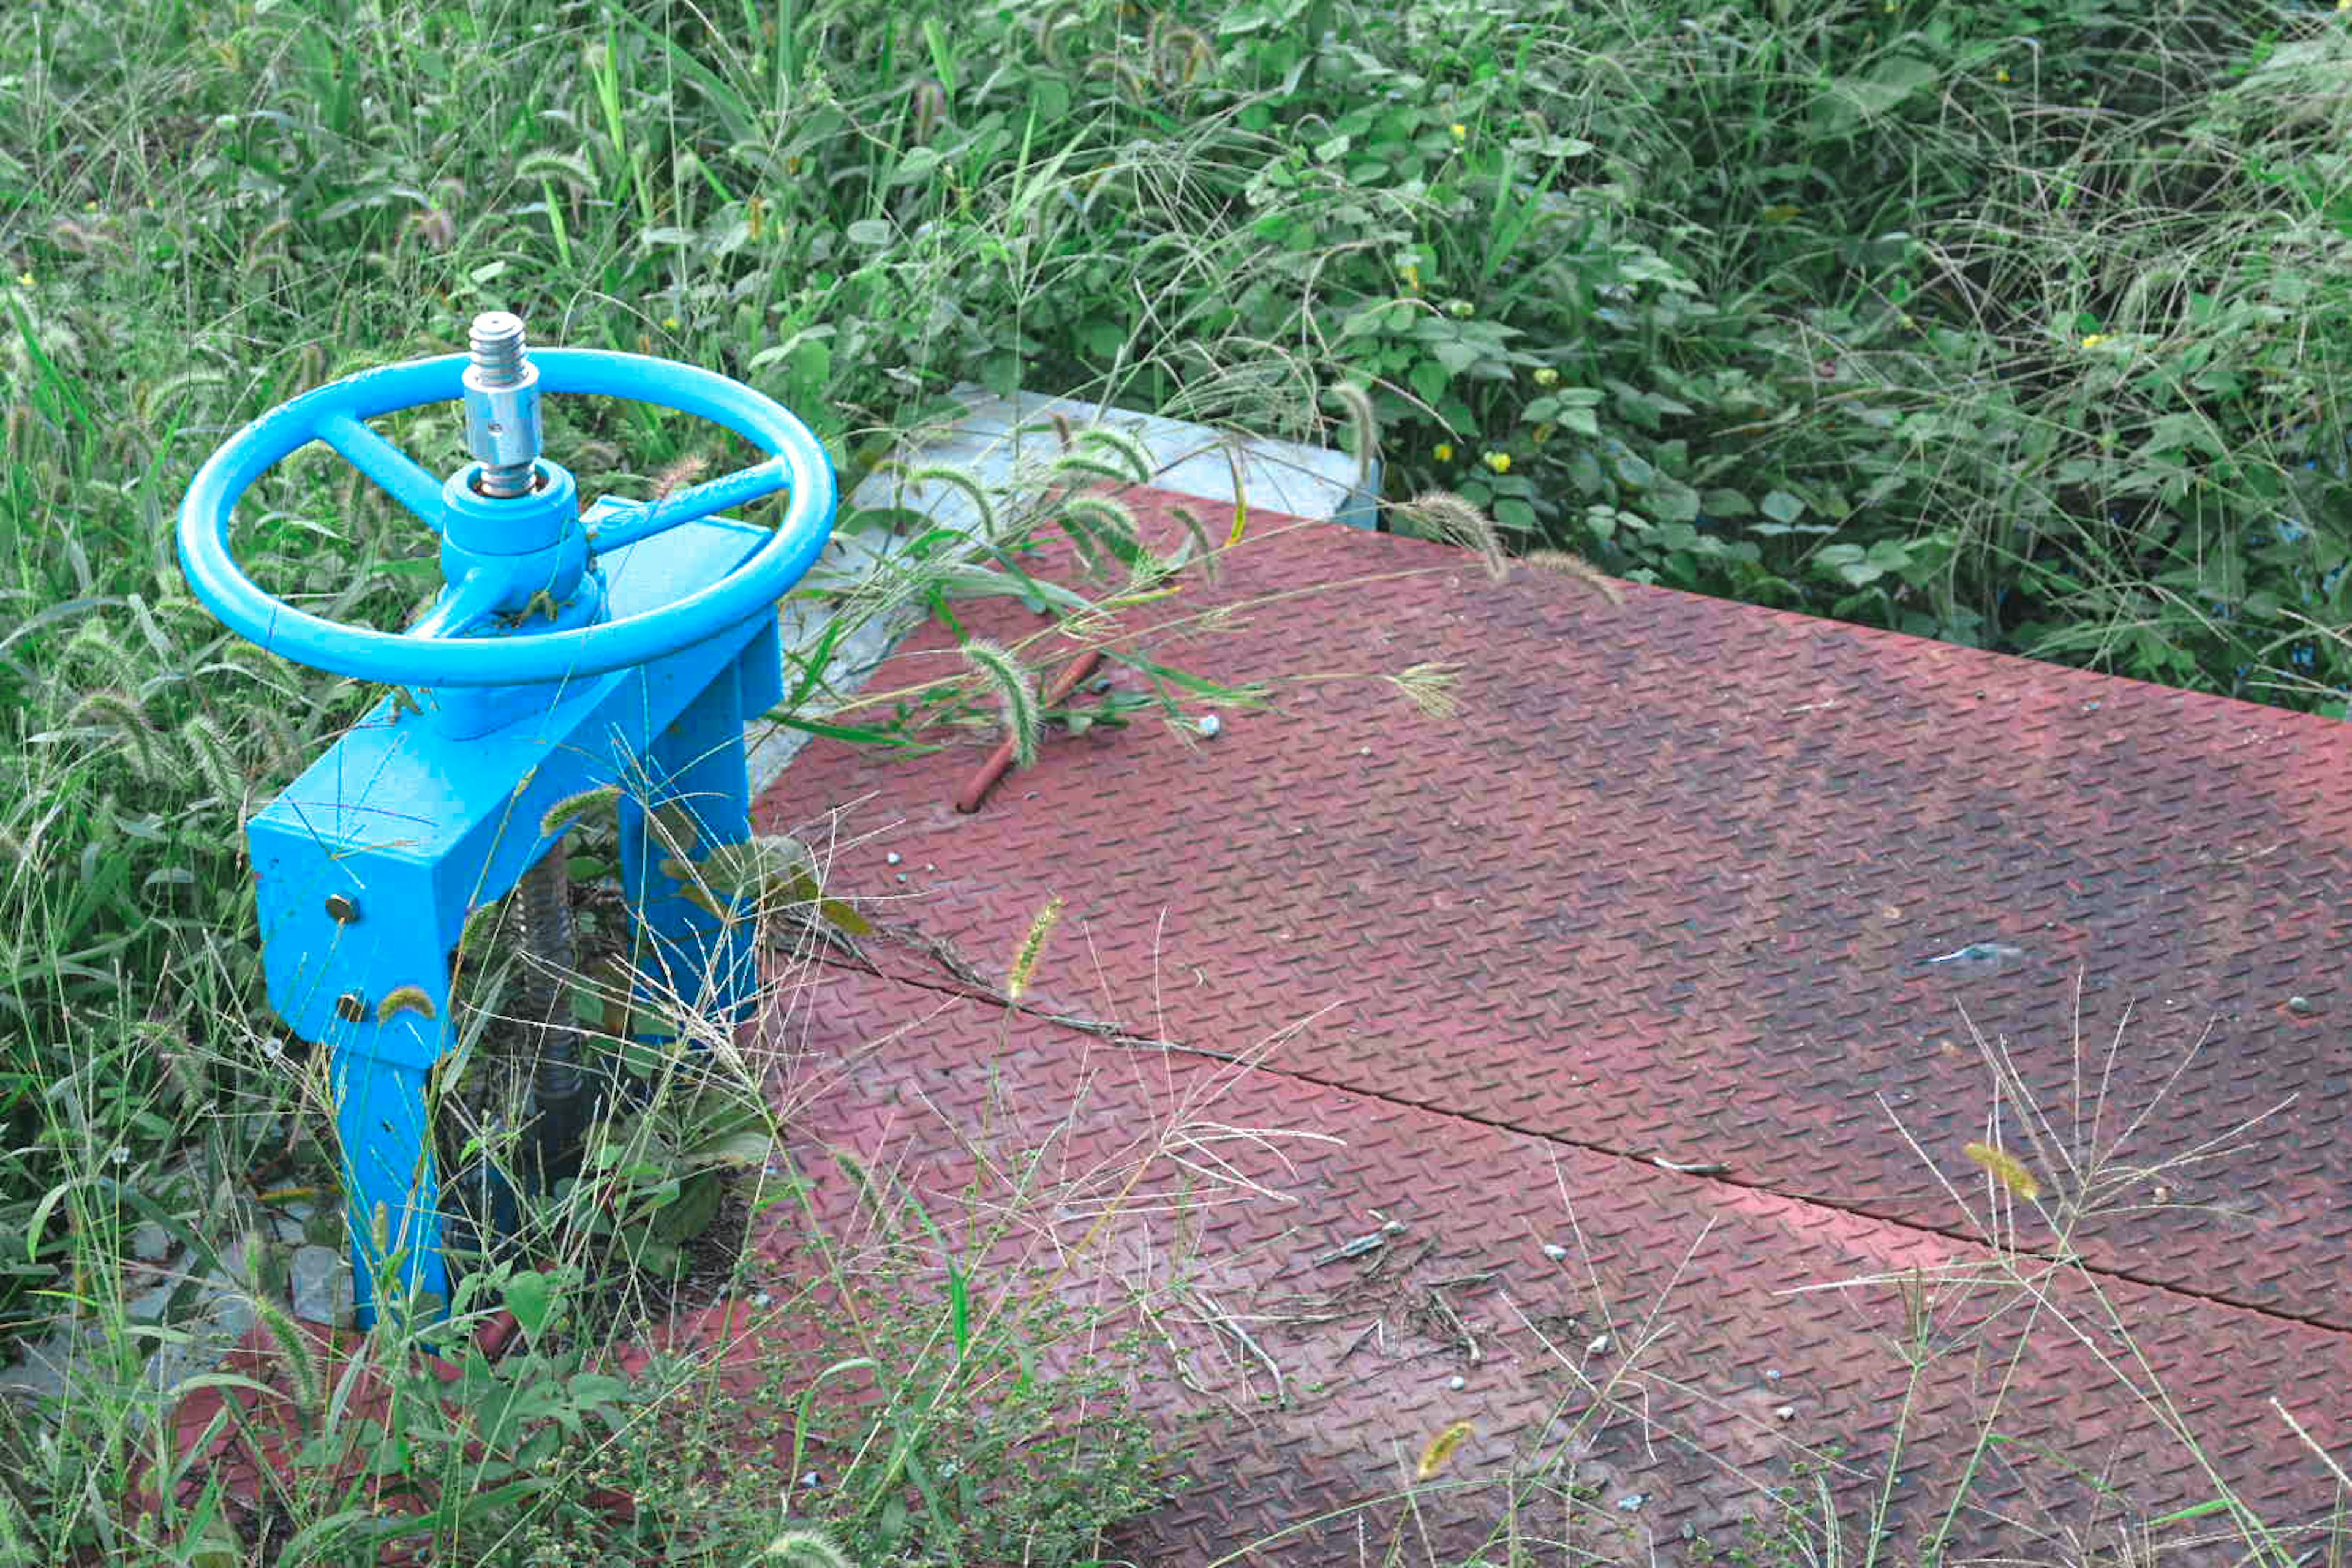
(545, 901)
(496, 342)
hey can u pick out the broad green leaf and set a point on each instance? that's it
(530, 1297)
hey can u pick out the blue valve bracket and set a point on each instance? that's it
(623, 645)
(406, 826)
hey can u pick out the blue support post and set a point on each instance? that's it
(392, 1195)
(698, 800)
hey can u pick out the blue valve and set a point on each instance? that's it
(569, 649)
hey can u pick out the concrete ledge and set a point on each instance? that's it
(1005, 440)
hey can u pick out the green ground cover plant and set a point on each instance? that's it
(2015, 323)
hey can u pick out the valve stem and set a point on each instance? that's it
(502, 405)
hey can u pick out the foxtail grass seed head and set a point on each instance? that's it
(808, 1548)
(1024, 961)
(1111, 522)
(1362, 423)
(1124, 447)
(405, 999)
(120, 713)
(571, 168)
(1017, 695)
(1429, 687)
(1203, 549)
(214, 760)
(685, 471)
(1571, 565)
(1082, 464)
(480, 921)
(297, 1351)
(588, 802)
(1440, 1449)
(1442, 514)
(931, 109)
(2006, 1169)
(965, 482)
(1047, 30)
(166, 394)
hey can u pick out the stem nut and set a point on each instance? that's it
(342, 908)
(351, 1008)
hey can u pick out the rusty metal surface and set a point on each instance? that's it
(1644, 1357)
(1669, 884)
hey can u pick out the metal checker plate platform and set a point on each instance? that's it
(1641, 1355)
(1691, 881)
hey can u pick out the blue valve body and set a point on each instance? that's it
(628, 646)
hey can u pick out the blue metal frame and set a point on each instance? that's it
(625, 647)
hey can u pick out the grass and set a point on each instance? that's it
(2017, 323)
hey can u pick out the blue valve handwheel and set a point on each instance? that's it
(332, 413)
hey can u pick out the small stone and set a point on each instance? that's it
(1631, 1502)
(902, 876)
(1786, 1413)
(762, 1300)
(1210, 726)
(2301, 1004)
(1555, 1251)
(1599, 1345)
(150, 1305)
(891, 858)
(811, 1479)
(1457, 1383)
(1772, 1375)
(321, 1282)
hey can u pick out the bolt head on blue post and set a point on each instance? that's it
(565, 645)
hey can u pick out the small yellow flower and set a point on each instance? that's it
(2095, 340)
(1547, 376)
(1498, 461)
(25, 279)
(670, 322)
(1412, 277)
(1445, 451)
(2001, 75)
(1459, 129)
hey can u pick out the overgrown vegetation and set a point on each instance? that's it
(2017, 323)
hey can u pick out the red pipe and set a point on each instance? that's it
(1001, 760)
